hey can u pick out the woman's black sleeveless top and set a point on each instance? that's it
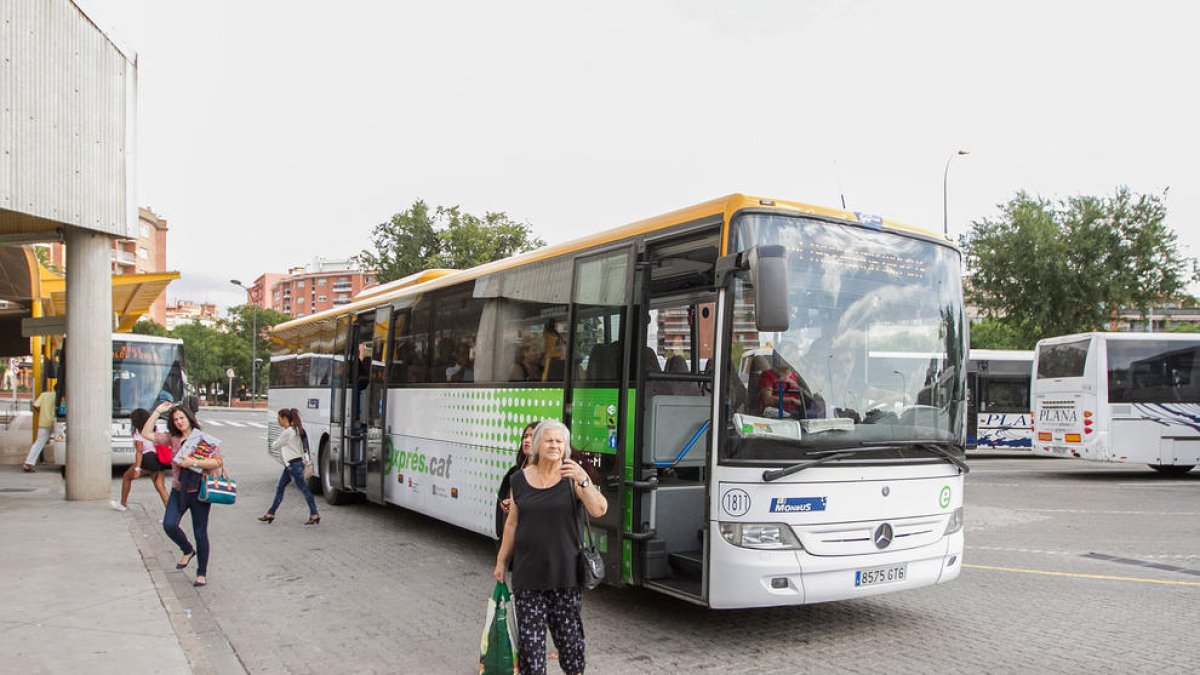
(546, 551)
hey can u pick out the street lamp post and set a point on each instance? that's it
(945, 184)
(253, 343)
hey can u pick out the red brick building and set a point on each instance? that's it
(145, 254)
(320, 285)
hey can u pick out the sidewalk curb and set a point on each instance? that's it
(204, 644)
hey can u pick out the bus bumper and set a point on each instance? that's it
(122, 455)
(742, 577)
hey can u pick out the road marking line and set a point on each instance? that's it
(1076, 575)
(1090, 512)
(234, 424)
(971, 482)
(257, 425)
(1044, 551)
(213, 423)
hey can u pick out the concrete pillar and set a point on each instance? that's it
(89, 362)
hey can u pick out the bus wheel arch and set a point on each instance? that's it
(1172, 470)
(333, 496)
(316, 482)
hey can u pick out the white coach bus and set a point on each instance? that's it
(146, 370)
(998, 412)
(1119, 397)
(850, 485)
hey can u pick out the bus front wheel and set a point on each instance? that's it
(1172, 469)
(333, 496)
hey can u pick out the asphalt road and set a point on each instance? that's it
(1070, 567)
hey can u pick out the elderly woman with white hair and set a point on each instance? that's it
(541, 536)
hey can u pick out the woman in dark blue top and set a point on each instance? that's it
(541, 536)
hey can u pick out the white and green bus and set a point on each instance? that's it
(850, 484)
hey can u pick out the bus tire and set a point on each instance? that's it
(1174, 470)
(333, 496)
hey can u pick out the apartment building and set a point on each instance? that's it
(183, 312)
(145, 254)
(322, 284)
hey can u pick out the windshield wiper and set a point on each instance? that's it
(775, 474)
(939, 450)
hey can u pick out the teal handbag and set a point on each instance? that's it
(218, 489)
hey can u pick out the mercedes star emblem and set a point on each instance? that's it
(883, 536)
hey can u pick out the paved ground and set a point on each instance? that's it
(1071, 567)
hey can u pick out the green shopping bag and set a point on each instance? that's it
(498, 646)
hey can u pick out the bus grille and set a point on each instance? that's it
(1057, 405)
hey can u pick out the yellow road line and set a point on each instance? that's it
(1103, 577)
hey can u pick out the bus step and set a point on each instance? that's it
(687, 564)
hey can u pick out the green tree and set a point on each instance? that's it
(420, 238)
(209, 352)
(997, 334)
(1055, 267)
(240, 322)
(145, 327)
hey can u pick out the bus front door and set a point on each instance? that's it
(598, 391)
(675, 409)
(358, 462)
(373, 417)
(333, 452)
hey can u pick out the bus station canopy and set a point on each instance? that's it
(132, 296)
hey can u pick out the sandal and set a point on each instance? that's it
(313, 520)
(185, 563)
(28, 468)
(200, 581)
(267, 518)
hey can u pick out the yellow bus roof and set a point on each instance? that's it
(726, 207)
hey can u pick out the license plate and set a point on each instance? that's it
(880, 575)
(1060, 450)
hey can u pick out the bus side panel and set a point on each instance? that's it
(448, 449)
(313, 405)
(1156, 433)
(1003, 430)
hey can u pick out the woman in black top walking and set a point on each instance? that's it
(503, 495)
(541, 536)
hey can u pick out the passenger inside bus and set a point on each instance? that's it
(463, 369)
(528, 364)
(783, 393)
(555, 350)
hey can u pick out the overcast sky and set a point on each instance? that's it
(272, 131)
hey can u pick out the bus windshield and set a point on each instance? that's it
(141, 371)
(874, 352)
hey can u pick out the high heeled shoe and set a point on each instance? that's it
(267, 518)
(313, 520)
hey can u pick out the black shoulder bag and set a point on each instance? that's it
(591, 565)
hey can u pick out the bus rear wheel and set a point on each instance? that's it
(1173, 470)
(333, 496)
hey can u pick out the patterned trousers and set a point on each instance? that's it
(560, 610)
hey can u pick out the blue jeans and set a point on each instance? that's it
(293, 471)
(177, 504)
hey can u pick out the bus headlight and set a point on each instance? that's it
(773, 536)
(956, 521)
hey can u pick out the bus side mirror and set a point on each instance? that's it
(192, 404)
(768, 273)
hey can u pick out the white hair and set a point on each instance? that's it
(542, 428)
